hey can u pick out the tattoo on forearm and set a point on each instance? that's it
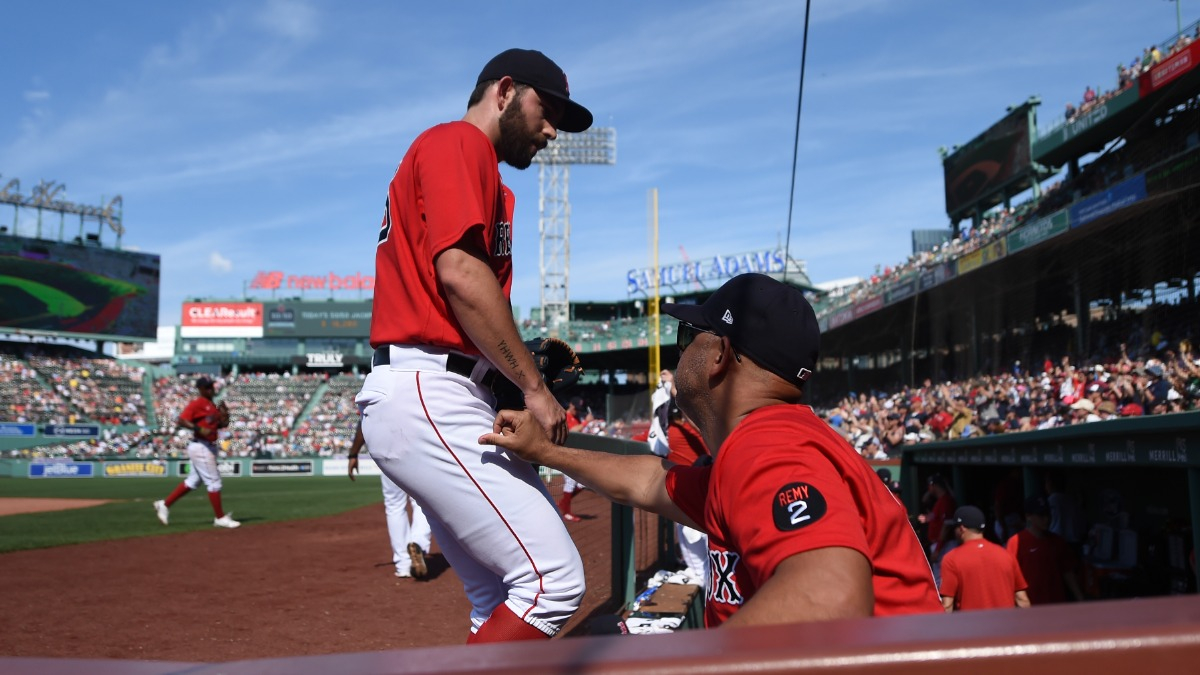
(511, 359)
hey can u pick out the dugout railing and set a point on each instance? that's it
(1158, 635)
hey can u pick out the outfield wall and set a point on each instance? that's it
(50, 468)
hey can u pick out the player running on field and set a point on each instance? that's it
(203, 418)
(443, 331)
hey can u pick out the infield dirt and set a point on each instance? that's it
(297, 588)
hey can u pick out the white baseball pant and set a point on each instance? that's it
(492, 516)
(693, 548)
(203, 456)
(400, 530)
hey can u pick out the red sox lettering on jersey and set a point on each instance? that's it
(724, 588)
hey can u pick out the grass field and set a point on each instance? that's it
(252, 501)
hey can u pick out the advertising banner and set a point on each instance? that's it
(221, 319)
(227, 468)
(56, 469)
(705, 271)
(867, 306)
(934, 276)
(71, 430)
(902, 290)
(1037, 231)
(18, 430)
(1178, 173)
(281, 467)
(1170, 69)
(349, 319)
(56, 286)
(841, 318)
(1111, 200)
(132, 469)
(1084, 121)
(340, 466)
(980, 257)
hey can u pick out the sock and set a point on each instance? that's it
(564, 504)
(215, 498)
(504, 626)
(180, 490)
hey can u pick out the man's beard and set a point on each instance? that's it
(516, 144)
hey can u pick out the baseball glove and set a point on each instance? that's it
(557, 363)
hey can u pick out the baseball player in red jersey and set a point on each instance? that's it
(799, 526)
(570, 485)
(203, 417)
(978, 574)
(443, 331)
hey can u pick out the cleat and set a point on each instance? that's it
(419, 570)
(226, 521)
(164, 513)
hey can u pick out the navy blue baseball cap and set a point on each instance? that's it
(533, 68)
(203, 382)
(768, 320)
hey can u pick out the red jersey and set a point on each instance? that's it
(1043, 561)
(942, 509)
(202, 412)
(685, 442)
(783, 483)
(980, 575)
(446, 190)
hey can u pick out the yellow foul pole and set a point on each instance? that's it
(655, 335)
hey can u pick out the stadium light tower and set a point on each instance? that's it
(597, 145)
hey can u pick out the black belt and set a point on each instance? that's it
(458, 364)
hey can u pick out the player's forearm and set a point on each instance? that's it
(485, 315)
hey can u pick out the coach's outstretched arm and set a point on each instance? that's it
(634, 480)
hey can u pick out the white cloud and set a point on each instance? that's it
(35, 95)
(294, 20)
(219, 263)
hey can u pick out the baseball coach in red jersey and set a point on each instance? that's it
(799, 526)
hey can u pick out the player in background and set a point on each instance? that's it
(410, 538)
(799, 527)
(203, 418)
(571, 487)
(660, 400)
(443, 332)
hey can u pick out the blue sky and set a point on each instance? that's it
(247, 136)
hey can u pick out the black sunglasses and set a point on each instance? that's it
(687, 333)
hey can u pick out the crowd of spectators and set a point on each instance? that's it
(97, 390)
(1128, 74)
(329, 429)
(1158, 378)
(992, 226)
(264, 407)
(24, 399)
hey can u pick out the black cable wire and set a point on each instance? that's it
(787, 247)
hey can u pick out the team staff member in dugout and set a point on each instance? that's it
(443, 330)
(800, 528)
